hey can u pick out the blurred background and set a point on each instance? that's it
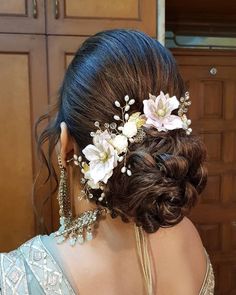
(37, 41)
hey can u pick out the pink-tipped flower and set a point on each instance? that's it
(158, 109)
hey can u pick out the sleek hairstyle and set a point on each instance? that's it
(168, 170)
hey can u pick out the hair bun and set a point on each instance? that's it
(168, 174)
(176, 167)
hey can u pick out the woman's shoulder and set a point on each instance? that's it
(13, 273)
(31, 265)
(181, 236)
(180, 258)
(30, 250)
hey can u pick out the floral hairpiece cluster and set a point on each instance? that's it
(111, 140)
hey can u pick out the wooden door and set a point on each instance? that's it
(211, 79)
(22, 16)
(23, 97)
(86, 17)
(60, 52)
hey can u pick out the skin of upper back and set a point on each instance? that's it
(179, 259)
(105, 267)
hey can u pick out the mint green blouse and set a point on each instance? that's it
(31, 269)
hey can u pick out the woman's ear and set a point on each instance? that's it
(66, 143)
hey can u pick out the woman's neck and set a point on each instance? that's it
(111, 230)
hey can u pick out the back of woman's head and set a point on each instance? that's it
(167, 167)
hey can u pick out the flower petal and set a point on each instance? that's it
(134, 117)
(172, 122)
(130, 129)
(120, 142)
(100, 137)
(97, 171)
(172, 104)
(160, 101)
(100, 170)
(152, 97)
(149, 109)
(153, 123)
(107, 176)
(91, 152)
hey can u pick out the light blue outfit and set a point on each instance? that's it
(32, 270)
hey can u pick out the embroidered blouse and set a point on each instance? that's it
(31, 269)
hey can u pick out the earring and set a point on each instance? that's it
(64, 201)
(77, 162)
(75, 229)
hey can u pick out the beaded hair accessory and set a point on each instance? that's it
(111, 140)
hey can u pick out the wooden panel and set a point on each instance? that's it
(212, 99)
(234, 189)
(214, 117)
(229, 146)
(115, 9)
(201, 17)
(23, 92)
(15, 117)
(211, 234)
(233, 281)
(22, 16)
(72, 17)
(211, 7)
(233, 228)
(213, 142)
(212, 193)
(228, 183)
(69, 58)
(229, 104)
(13, 7)
(60, 52)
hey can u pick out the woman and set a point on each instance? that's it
(134, 171)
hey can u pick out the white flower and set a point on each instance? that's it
(102, 158)
(157, 110)
(120, 143)
(130, 129)
(87, 176)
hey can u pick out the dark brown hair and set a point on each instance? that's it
(167, 168)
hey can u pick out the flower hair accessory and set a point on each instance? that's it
(158, 109)
(111, 140)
